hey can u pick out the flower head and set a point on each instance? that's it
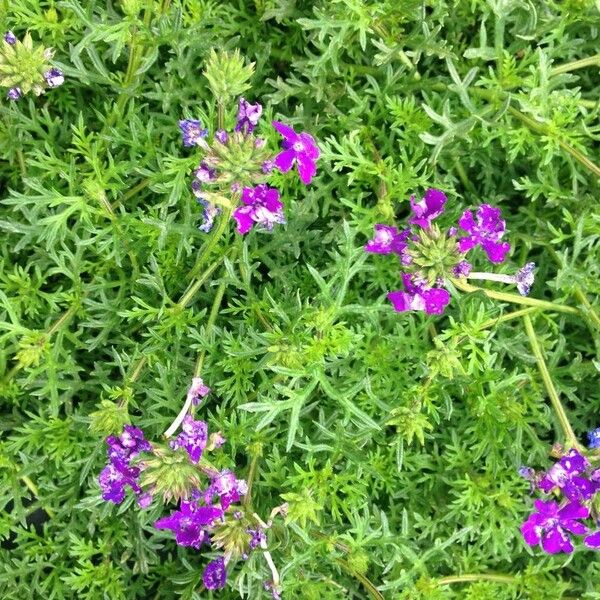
(550, 525)
(261, 206)
(299, 148)
(485, 230)
(10, 38)
(594, 438)
(227, 487)
(566, 475)
(192, 132)
(189, 523)
(215, 574)
(54, 77)
(197, 391)
(524, 278)
(427, 209)
(388, 239)
(14, 93)
(193, 437)
(248, 116)
(418, 296)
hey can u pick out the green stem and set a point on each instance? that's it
(478, 577)
(193, 288)
(589, 309)
(508, 316)
(549, 384)
(590, 61)
(250, 480)
(515, 298)
(366, 582)
(34, 490)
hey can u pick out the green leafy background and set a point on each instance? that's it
(395, 438)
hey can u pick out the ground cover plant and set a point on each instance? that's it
(299, 299)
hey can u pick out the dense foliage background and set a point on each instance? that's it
(395, 438)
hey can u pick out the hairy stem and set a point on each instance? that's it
(497, 578)
(590, 61)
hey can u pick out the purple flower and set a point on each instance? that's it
(113, 481)
(427, 209)
(248, 116)
(192, 132)
(197, 391)
(221, 136)
(215, 574)
(388, 239)
(190, 522)
(211, 211)
(418, 296)
(14, 93)
(204, 173)
(227, 487)
(463, 269)
(130, 443)
(257, 537)
(593, 540)
(268, 166)
(262, 206)
(524, 278)
(565, 474)
(10, 38)
(299, 148)
(485, 230)
(594, 438)
(193, 437)
(550, 524)
(54, 77)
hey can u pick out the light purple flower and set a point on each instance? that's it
(192, 132)
(257, 536)
(221, 136)
(418, 296)
(427, 209)
(594, 438)
(215, 574)
(593, 540)
(14, 93)
(565, 474)
(189, 523)
(485, 230)
(248, 116)
(193, 437)
(388, 239)
(550, 525)
(524, 278)
(262, 206)
(10, 38)
(299, 148)
(211, 211)
(204, 173)
(197, 391)
(54, 77)
(227, 487)
(463, 268)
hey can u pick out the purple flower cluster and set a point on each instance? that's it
(429, 256)
(553, 522)
(236, 165)
(119, 472)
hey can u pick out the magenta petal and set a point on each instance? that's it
(556, 540)
(466, 243)
(496, 251)
(310, 146)
(467, 222)
(436, 300)
(529, 532)
(593, 540)
(243, 218)
(284, 160)
(400, 300)
(574, 510)
(306, 168)
(285, 130)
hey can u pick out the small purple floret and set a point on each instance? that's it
(54, 77)
(525, 278)
(388, 239)
(262, 206)
(221, 136)
(193, 438)
(227, 487)
(215, 574)
(594, 438)
(197, 391)
(417, 295)
(298, 148)
(189, 523)
(463, 269)
(593, 540)
(192, 132)
(248, 116)
(550, 525)
(14, 93)
(485, 230)
(566, 475)
(10, 38)
(427, 209)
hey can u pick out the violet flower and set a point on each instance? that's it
(299, 148)
(14, 94)
(593, 540)
(10, 38)
(550, 525)
(388, 239)
(594, 438)
(214, 576)
(189, 523)
(427, 209)
(418, 296)
(566, 475)
(197, 391)
(485, 230)
(192, 132)
(193, 438)
(227, 488)
(54, 77)
(261, 206)
(248, 116)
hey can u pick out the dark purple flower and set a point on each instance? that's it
(565, 474)
(418, 296)
(113, 482)
(248, 116)
(192, 132)
(463, 268)
(10, 38)
(427, 209)
(227, 487)
(550, 524)
(14, 93)
(257, 536)
(54, 77)
(189, 523)
(262, 206)
(197, 391)
(299, 148)
(486, 230)
(193, 437)
(130, 443)
(388, 239)
(594, 438)
(593, 540)
(525, 278)
(215, 574)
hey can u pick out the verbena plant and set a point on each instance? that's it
(347, 449)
